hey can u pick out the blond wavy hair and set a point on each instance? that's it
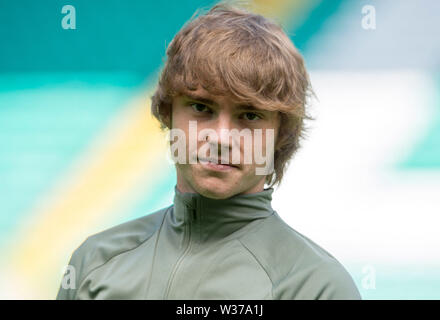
(233, 51)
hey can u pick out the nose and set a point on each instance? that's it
(222, 127)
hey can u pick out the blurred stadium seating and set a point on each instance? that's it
(79, 151)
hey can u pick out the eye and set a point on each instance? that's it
(251, 116)
(199, 108)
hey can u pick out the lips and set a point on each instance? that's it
(217, 162)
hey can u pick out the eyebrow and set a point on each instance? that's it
(193, 96)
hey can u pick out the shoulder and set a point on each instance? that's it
(298, 267)
(99, 248)
(126, 236)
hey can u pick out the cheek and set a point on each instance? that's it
(269, 139)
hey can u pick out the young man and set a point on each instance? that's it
(226, 70)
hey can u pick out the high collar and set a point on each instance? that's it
(214, 219)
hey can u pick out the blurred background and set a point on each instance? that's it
(80, 152)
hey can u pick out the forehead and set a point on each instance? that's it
(204, 95)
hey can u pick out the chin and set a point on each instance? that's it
(215, 189)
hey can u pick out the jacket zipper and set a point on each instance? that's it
(179, 261)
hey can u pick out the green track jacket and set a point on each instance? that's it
(202, 248)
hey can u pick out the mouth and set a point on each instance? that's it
(217, 165)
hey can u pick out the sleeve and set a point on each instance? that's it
(73, 274)
(327, 280)
(332, 282)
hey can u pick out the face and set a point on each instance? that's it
(210, 118)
